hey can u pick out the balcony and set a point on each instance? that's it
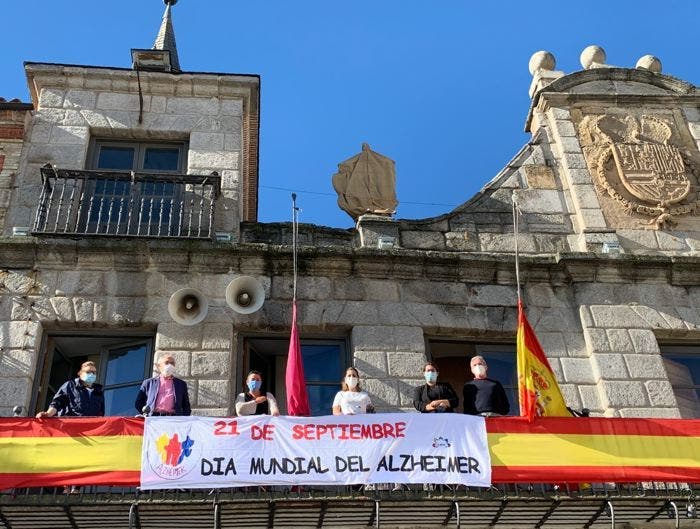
(78, 203)
(503, 505)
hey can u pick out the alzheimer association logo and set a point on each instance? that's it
(173, 457)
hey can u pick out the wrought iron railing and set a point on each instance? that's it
(126, 204)
(533, 505)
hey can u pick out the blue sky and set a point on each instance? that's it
(440, 86)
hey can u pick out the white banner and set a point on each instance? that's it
(204, 452)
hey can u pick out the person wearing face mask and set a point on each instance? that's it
(164, 394)
(254, 401)
(483, 395)
(434, 396)
(79, 397)
(351, 400)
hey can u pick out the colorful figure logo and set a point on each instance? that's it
(172, 451)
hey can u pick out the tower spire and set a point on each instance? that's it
(165, 40)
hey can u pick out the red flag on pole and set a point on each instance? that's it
(297, 397)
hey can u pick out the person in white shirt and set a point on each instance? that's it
(351, 400)
(254, 401)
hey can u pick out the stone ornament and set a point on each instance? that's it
(636, 165)
(593, 57)
(541, 60)
(366, 183)
(649, 62)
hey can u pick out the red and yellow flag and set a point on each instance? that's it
(537, 386)
(73, 451)
(594, 449)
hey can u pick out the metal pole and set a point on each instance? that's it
(295, 235)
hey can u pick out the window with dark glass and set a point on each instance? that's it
(324, 361)
(682, 365)
(453, 357)
(114, 200)
(122, 364)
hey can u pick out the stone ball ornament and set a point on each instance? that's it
(592, 56)
(541, 60)
(649, 62)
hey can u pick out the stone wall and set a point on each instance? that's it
(599, 320)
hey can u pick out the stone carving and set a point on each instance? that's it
(636, 165)
(366, 183)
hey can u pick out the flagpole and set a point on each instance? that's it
(516, 212)
(295, 235)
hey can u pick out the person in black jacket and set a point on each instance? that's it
(434, 396)
(79, 397)
(483, 395)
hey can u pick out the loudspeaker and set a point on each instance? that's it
(188, 306)
(245, 295)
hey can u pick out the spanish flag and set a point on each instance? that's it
(72, 451)
(537, 386)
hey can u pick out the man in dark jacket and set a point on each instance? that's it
(164, 394)
(483, 395)
(79, 397)
(434, 396)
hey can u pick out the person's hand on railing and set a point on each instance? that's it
(145, 412)
(48, 413)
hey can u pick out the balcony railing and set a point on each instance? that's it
(525, 505)
(122, 204)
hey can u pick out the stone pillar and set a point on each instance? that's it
(203, 359)
(390, 360)
(377, 231)
(626, 361)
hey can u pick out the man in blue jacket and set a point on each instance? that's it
(79, 397)
(164, 394)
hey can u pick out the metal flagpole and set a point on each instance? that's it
(295, 235)
(516, 212)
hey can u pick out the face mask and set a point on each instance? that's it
(168, 370)
(254, 385)
(479, 370)
(430, 376)
(88, 378)
(352, 382)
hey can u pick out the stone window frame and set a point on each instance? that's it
(675, 377)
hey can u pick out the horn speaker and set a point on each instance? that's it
(188, 306)
(245, 295)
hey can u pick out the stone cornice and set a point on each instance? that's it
(558, 92)
(188, 84)
(397, 264)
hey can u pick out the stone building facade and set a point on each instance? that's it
(607, 190)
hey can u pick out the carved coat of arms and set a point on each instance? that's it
(637, 166)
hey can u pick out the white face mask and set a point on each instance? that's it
(168, 370)
(479, 370)
(352, 381)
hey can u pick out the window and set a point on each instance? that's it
(453, 359)
(112, 199)
(324, 362)
(682, 365)
(141, 157)
(122, 364)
